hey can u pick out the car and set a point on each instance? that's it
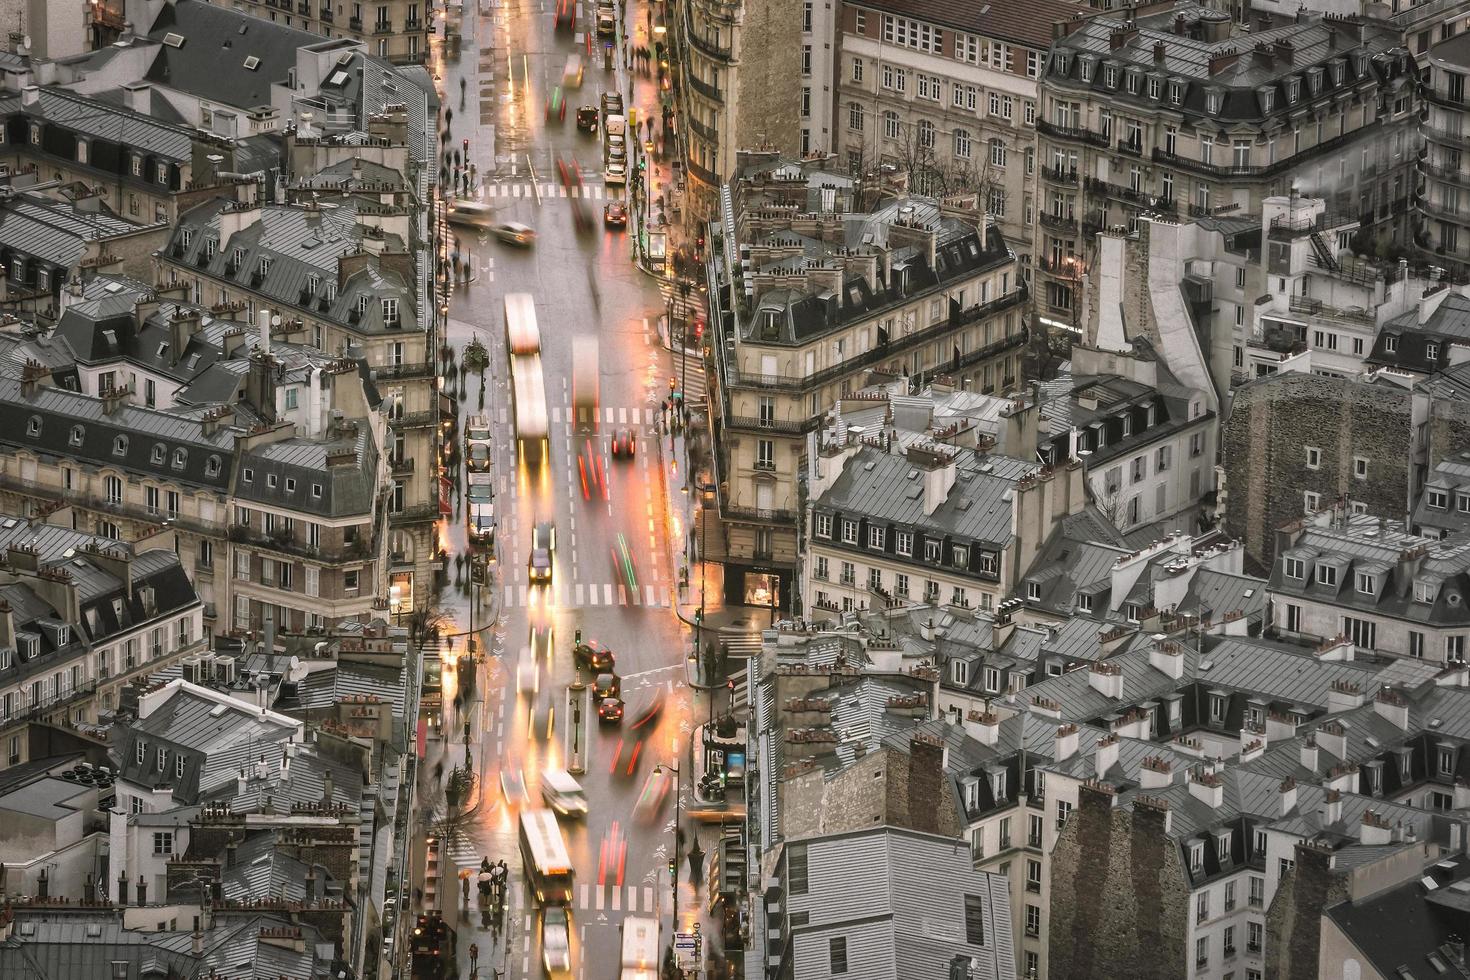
(615, 214)
(481, 488)
(528, 675)
(566, 14)
(594, 656)
(651, 798)
(616, 172)
(541, 642)
(587, 118)
(607, 17)
(612, 104)
(541, 724)
(610, 710)
(513, 786)
(571, 75)
(543, 546)
(480, 521)
(556, 104)
(476, 429)
(471, 213)
(607, 685)
(479, 457)
(624, 446)
(563, 793)
(556, 941)
(514, 233)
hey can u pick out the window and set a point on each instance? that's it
(1257, 891)
(824, 525)
(997, 153)
(349, 580)
(1327, 575)
(163, 842)
(904, 543)
(1033, 920)
(837, 952)
(847, 573)
(120, 446)
(855, 116)
(1416, 644)
(875, 537)
(1454, 648)
(857, 70)
(1229, 896)
(1438, 499)
(1033, 591)
(962, 144)
(1202, 906)
(961, 556)
(928, 86)
(890, 124)
(1254, 936)
(796, 870)
(1367, 583)
(975, 920)
(765, 456)
(1431, 351)
(1202, 951)
(1033, 875)
(114, 489)
(926, 133)
(1064, 810)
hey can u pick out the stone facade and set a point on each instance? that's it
(1119, 894)
(1294, 921)
(1270, 476)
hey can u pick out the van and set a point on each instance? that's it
(563, 793)
(571, 75)
(471, 213)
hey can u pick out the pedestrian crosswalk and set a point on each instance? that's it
(686, 308)
(589, 192)
(610, 415)
(623, 898)
(689, 375)
(461, 850)
(582, 594)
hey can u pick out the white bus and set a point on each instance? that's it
(640, 949)
(522, 336)
(585, 369)
(544, 858)
(528, 391)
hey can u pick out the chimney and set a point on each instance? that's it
(1374, 829)
(1155, 772)
(1001, 627)
(142, 887)
(1430, 300)
(232, 850)
(1332, 737)
(1207, 787)
(1309, 753)
(1343, 696)
(938, 470)
(115, 399)
(122, 888)
(1331, 811)
(181, 327)
(1166, 656)
(1065, 744)
(327, 789)
(260, 384)
(1106, 756)
(1288, 795)
(1343, 778)
(30, 95)
(1391, 706)
(198, 939)
(139, 97)
(43, 885)
(1180, 27)
(1285, 51)
(1161, 50)
(1106, 678)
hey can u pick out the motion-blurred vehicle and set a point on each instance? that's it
(479, 457)
(587, 118)
(594, 656)
(607, 685)
(607, 18)
(543, 545)
(542, 724)
(566, 15)
(528, 674)
(541, 642)
(556, 105)
(610, 710)
(431, 944)
(513, 786)
(651, 799)
(615, 214)
(471, 213)
(514, 233)
(624, 446)
(556, 941)
(563, 793)
(571, 75)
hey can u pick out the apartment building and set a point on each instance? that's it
(930, 524)
(393, 30)
(81, 617)
(1385, 590)
(1171, 110)
(1444, 235)
(358, 298)
(947, 96)
(724, 109)
(807, 299)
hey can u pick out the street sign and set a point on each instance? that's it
(686, 950)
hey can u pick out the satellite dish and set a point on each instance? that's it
(275, 319)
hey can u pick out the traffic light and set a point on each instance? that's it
(466, 144)
(579, 638)
(698, 329)
(673, 867)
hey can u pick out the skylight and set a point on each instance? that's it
(252, 63)
(173, 40)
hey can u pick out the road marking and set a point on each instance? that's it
(601, 899)
(577, 589)
(650, 601)
(607, 594)
(622, 594)
(617, 900)
(585, 891)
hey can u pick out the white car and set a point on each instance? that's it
(556, 941)
(528, 677)
(616, 172)
(514, 233)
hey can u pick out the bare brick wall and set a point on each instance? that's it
(1119, 896)
(1294, 920)
(1271, 424)
(768, 100)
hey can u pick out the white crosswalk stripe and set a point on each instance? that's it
(582, 594)
(633, 899)
(589, 192)
(614, 414)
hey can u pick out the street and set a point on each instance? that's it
(618, 532)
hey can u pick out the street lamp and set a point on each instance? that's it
(678, 811)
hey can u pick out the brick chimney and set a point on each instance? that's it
(1106, 756)
(1288, 795)
(1309, 753)
(1332, 737)
(1155, 772)
(1065, 745)
(1391, 706)
(1166, 656)
(1343, 778)
(1343, 696)
(1207, 787)
(1374, 829)
(1106, 678)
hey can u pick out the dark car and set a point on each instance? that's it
(607, 686)
(587, 118)
(610, 710)
(594, 656)
(623, 444)
(615, 214)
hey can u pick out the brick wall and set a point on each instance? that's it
(1294, 920)
(769, 94)
(1273, 421)
(1119, 895)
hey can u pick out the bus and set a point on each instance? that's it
(640, 949)
(544, 857)
(584, 384)
(522, 337)
(528, 394)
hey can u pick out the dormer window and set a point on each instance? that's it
(1337, 74)
(1212, 102)
(972, 794)
(33, 426)
(1059, 64)
(1431, 351)
(76, 435)
(212, 466)
(1222, 845)
(1155, 88)
(1327, 575)
(1425, 590)
(875, 537)
(181, 457)
(849, 532)
(265, 266)
(248, 475)
(1294, 568)
(1033, 591)
(1196, 858)
(158, 453)
(961, 556)
(1314, 80)
(998, 785)
(1176, 93)
(1084, 602)
(1367, 583)
(1268, 100)
(239, 257)
(210, 247)
(1110, 76)
(1462, 502)
(1437, 498)
(120, 446)
(1293, 89)
(141, 754)
(959, 672)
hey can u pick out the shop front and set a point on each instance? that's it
(762, 587)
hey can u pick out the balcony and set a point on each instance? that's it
(705, 89)
(764, 465)
(327, 14)
(417, 514)
(1315, 307)
(412, 420)
(282, 542)
(1075, 133)
(892, 348)
(1439, 212)
(759, 514)
(303, 7)
(1460, 176)
(702, 131)
(1140, 198)
(1129, 148)
(382, 27)
(796, 427)
(354, 23)
(413, 26)
(401, 467)
(1057, 222)
(404, 371)
(704, 176)
(694, 37)
(1059, 176)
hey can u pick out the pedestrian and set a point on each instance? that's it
(474, 954)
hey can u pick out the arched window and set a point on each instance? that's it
(855, 116)
(120, 446)
(890, 125)
(926, 134)
(962, 144)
